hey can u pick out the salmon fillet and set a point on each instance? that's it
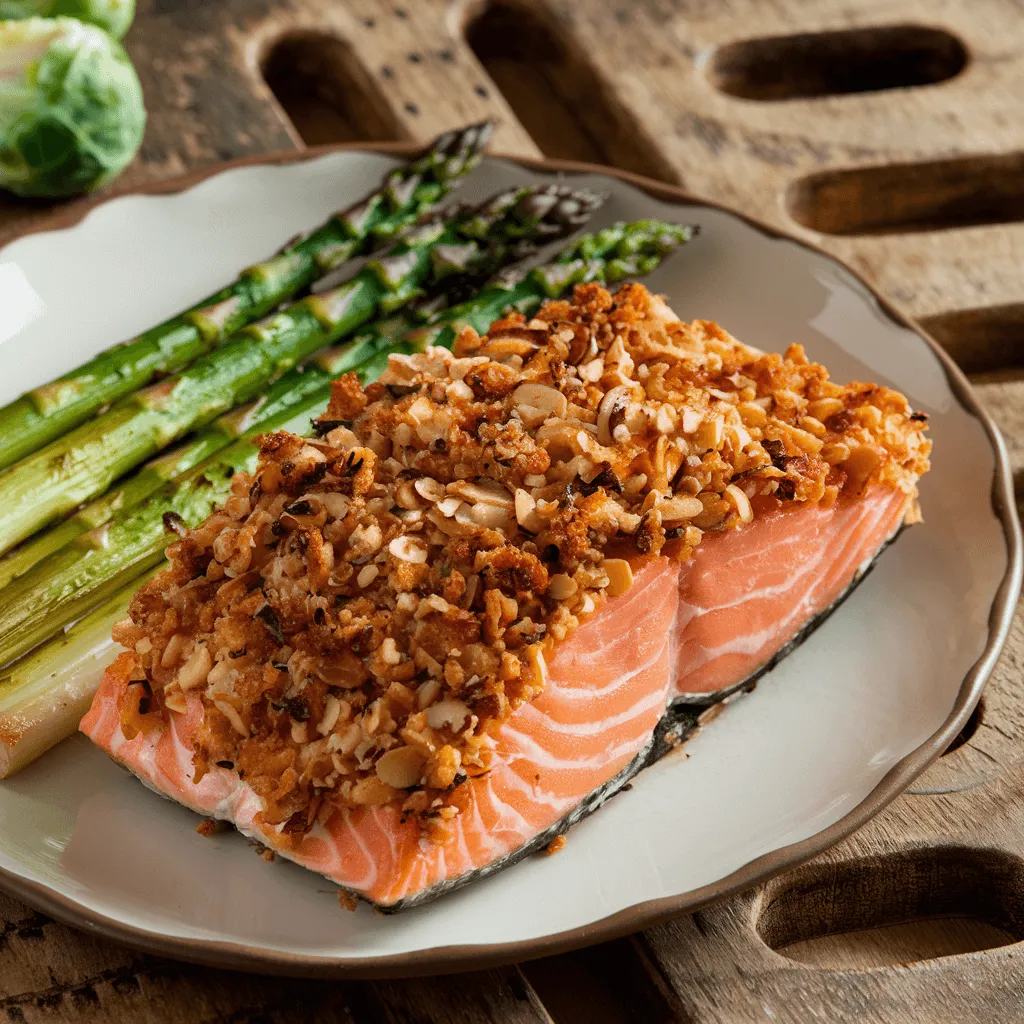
(709, 626)
(499, 583)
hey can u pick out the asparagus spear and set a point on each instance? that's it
(80, 466)
(45, 413)
(291, 388)
(72, 580)
(44, 696)
(612, 254)
(76, 577)
(227, 428)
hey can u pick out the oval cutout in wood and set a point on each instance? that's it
(815, 64)
(981, 340)
(899, 198)
(608, 983)
(555, 92)
(901, 908)
(325, 91)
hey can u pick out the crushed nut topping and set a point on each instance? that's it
(370, 606)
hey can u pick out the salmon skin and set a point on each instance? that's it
(619, 694)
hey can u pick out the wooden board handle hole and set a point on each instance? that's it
(977, 895)
(325, 91)
(981, 340)
(816, 64)
(556, 93)
(605, 984)
(899, 198)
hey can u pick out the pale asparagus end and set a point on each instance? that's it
(44, 695)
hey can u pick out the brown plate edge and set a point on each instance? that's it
(451, 959)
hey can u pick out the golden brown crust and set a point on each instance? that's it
(367, 610)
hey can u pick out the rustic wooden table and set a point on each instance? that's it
(887, 130)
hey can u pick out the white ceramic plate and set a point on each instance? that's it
(825, 741)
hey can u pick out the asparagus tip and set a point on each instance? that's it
(562, 206)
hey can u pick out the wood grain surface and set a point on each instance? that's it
(889, 131)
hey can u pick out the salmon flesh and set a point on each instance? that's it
(618, 695)
(498, 584)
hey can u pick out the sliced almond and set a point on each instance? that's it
(620, 575)
(526, 512)
(561, 587)
(491, 517)
(611, 412)
(173, 650)
(805, 440)
(531, 416)
(488, 492)
(823, 408)
(449, 506)
(836, 453)
(547, 401)
(401, 767)
(367, 575)
(174, 700)
(451, 713)
(459, 390)
(813, 426)
(194, 672)
(408, 549)
(232, 716)
(332, 710)
(427, 693)
(752, 414)
(711, 432)
(429, 489)
(335, 503)
(680, 507)
(447, 526)
(406, 496)
(741, 502)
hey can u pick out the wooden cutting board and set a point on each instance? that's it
(889, 132)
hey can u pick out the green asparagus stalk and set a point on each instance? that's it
(227, 428)
(69, 582)
(291, 388)
(44, 696)
(294, 386)
(73, 579)
(625, 249)
(80, 466)
(49, 411)
(610, 255)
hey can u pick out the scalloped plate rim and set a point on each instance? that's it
(643, 914)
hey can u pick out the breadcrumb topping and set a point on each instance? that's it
(373, 603)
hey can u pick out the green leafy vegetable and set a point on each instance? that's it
(113, 16)
(71, 108)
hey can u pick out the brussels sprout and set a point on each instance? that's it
(113, 15)
(71, 108)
